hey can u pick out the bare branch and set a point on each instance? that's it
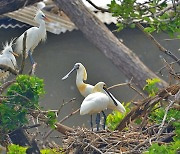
(161, 48)
(7, 68)
(163, 121)
(97, 7)
(23, 53)
(167, 9)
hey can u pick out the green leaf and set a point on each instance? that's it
(149, 29)
(116, 117)
(151, 87)
(16, 149)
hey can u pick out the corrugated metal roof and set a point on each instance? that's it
(60, 23)
(57, 25)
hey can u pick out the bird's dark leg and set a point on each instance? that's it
(91, 123)
(104, 124)
(31, 58)
(98, 121)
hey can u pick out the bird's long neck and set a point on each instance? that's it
(79, 78)
(82, 87)
(42, 30)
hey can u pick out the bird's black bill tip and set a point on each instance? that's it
(110, 95)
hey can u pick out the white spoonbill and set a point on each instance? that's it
(97, 102)
(7, 58)
(86, 89)
(34, 36)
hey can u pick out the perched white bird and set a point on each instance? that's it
(34, 36)
(86, 89)
(7, 58)
(97, 102)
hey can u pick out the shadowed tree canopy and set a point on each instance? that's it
(97, 33)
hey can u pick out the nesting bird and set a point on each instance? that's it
(34, 36)
(7, 57)
(97, 101)
(87, 89)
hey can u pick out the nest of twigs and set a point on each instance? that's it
(132, 140)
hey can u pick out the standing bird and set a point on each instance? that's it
(86, 89)
(34, 36)
(97, 101)
(7, 58)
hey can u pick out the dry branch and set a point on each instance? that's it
(82, 140)
(161, 48)
(142, 107)
(23, 53)
(7, 68)
(6, 85)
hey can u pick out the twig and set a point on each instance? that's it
(73, 99)
(130, 85)
(33, 126)
(117, 85)
(7, 68)
(95, 148)
(23, 53)
(166, 9)
(24, 97)
(164, 119)
(61, 121)
(161, 48)
(172, 39)
(172, 63)
(141, 94)
(97, 7)
(6, 85)
(66, 117)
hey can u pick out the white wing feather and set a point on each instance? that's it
(94, 103)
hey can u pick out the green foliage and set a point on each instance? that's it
(16, 149)
(52, 151)
(21, 96)
(116, 117)
(170, 148)
(157, 117)
(130, 12)
(51, 119)
(151, 87)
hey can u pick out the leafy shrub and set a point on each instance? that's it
(151, 87)
(16, 149)
(116, 117)
(22, 96)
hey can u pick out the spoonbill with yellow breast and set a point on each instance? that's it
(86, 89)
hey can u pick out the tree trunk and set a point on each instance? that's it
(97, 33)
(12, 5)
